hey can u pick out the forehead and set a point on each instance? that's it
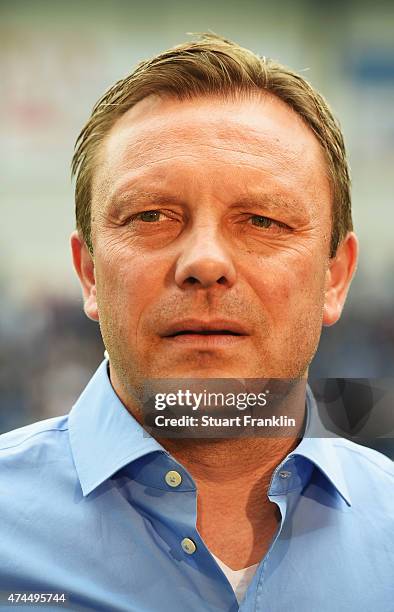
(260, 137)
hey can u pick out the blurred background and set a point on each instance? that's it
(56, 59)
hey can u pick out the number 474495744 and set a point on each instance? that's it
(18, 598)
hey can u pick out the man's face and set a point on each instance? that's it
(210, 212)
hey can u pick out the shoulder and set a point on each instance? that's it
(37, 492)
(367, 472)
(364, 456)
(33, 440)
(35, 462)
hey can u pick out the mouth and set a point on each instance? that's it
(204, 332)
(209, 333)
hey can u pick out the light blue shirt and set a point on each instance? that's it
(85, 510)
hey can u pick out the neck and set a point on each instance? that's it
(226, 460)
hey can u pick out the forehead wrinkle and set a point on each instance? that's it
(235, 141)
(123, 185)
(138, 153)
(267, 164)
(250, 119)
(187, 124)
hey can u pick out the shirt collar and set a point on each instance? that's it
(105, 437)
(317, 445)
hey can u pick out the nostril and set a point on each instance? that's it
(192, 280)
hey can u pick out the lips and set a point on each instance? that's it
(206, 332)
(205, 328)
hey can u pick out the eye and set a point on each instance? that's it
(261, 221)
(148, 216)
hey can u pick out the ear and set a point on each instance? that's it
(338, 278)
(84, 267)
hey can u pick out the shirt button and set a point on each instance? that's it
(188, 546)
(173, 478)
(284, 474)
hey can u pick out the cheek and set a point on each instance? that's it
(290, 288)
(125, 287)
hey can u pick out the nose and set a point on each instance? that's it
(205, 261)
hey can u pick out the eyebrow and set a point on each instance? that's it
(119, 199)
(268, 201)
(271, 201)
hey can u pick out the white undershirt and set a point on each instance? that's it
(239, 579)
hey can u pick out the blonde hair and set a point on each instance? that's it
(213, 65)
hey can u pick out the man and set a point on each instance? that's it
(214, 239)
